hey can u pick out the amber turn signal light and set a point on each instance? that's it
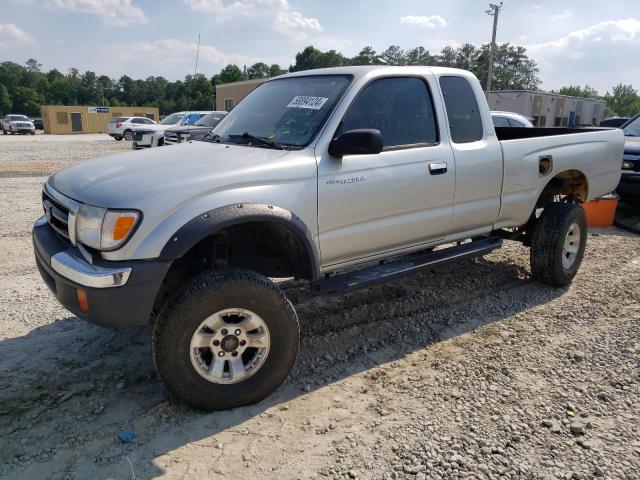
(81, 295)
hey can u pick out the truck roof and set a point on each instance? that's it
(362, 70)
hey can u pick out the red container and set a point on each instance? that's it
(601, 211)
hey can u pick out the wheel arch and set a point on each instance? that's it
(258, 216)
(571, 183)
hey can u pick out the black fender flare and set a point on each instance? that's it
(210, 222)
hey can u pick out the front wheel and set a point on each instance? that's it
(558, 244)
(229, 338)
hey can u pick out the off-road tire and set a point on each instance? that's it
(128, 135)
(205, 295)
(548, 240)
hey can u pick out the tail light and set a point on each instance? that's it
(118, 125)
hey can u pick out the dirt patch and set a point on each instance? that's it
(474, 371)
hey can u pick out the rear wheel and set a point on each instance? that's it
(558, 244)
(128, 136)
(229, 338)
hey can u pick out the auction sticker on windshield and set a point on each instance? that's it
(302, 101)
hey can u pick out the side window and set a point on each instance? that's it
(500, 122)
(137, 120)
(400, 108)
(148, 121)
(465, 122)
(515, 123)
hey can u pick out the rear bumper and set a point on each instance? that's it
(119, 294)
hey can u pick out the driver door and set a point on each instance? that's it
(378, 204)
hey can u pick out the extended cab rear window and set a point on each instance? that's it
(465, 122)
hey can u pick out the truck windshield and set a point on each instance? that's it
(285, 112)
(632, 129)
(172, 119)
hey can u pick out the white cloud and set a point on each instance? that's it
(12, 35)
(117, 13)
(282, 17)
(176, 58)
(431, 21)
(564, 15)
(592, 55)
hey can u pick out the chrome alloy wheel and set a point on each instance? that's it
(230, 346)
(571, 246)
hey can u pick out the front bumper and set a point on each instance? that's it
(119, 294)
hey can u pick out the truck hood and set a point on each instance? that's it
(167, 176)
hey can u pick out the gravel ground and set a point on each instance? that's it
(470, 372)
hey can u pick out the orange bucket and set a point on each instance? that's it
(601, 211)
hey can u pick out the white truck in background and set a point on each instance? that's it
(345, 177)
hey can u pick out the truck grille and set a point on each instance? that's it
(56, 213)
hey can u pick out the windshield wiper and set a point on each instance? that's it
(262, 140)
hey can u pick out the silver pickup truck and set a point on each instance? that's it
(344, 177)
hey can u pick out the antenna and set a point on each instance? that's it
(195, 75)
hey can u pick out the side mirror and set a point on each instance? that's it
(356, 142)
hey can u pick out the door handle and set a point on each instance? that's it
(438, 168)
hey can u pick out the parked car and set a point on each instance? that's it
(197, 131)
(14, 123)
(345, 177)
(122, 127)
(629, 186)
(153, 135)
(38, 123)
(614, 122)
(510, 119)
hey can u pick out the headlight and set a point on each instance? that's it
(627, 165)
(104, 229)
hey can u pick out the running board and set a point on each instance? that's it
(350, 281)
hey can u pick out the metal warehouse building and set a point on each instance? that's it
(548, 109)
(228, 95)
(82, 119)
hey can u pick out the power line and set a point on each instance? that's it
(494, 11)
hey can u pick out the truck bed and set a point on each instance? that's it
(595, 153)
(506, 133)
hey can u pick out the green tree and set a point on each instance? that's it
(578, 91)
(275, 70)
(420, 56)
(394, 55)
(367, 56)
(26, 101)
(258, 70)
(5, 100)
(33, 65)
(311, 58)
(230, 73)
(623, 101)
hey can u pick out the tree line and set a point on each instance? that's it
(23, 88)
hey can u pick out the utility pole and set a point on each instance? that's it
(494, 11)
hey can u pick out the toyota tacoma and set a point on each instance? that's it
(344, 177)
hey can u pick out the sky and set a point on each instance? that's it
(573, 41)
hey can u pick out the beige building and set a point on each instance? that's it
(548, 109)
(228, 95)
(83, 119)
